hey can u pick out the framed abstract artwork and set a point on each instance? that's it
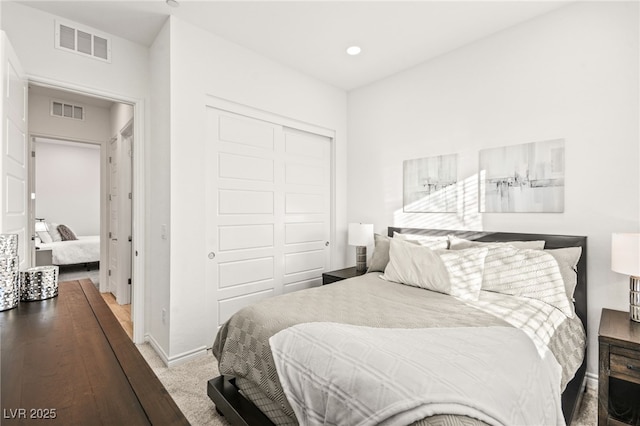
(430, 184)
(522, 178)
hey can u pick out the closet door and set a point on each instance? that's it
(307, 200)
(268, 211)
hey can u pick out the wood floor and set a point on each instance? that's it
(67, 361)
(121, 312)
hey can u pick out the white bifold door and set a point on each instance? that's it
(268, 211)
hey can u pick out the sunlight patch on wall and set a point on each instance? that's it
(466, 217)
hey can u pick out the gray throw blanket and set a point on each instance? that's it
(337, 374)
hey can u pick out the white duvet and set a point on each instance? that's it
(82, 250)
(338, 374)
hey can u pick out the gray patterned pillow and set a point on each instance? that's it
(528, 273)
(566, 260)
(380, 256)
(66, 234)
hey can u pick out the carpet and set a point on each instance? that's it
(187, 385)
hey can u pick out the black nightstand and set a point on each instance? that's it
(340, 274)
(619, 369)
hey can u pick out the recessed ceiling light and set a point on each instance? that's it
(173, 3)
(354, 50)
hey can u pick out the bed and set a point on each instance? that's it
(254, 378)
(86, 249)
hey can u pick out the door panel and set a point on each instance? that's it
(125, 252)
(245, 167)
(310, 232)
(237, 201)
(114, 220)
(268, 210)
(14, 164)
(246, 131)
(113, 266)
(245, 237)
(120, 199)
(245, 271)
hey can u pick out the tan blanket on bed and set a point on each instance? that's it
(242, 344)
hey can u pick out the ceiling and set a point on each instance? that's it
(312, 36)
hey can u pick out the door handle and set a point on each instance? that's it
(211, 255)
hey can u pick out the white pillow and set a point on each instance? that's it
(526, 273)
(53, 231)
(431, 241)
(44, 236)
(458, 273)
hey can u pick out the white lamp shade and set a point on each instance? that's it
(41, 226)
(625, 254)
(360, 234)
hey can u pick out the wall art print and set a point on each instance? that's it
(523, 178)
(430, 184)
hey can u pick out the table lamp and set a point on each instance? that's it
(625, 259)
(361, 235)
(40, 227)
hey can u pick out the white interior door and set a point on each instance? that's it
(307, 201)
(14, 161)
(123, 295)
(114, 219)
(268, 211)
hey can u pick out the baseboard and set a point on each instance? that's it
(156, 347)
(176, 359)
(187, 356)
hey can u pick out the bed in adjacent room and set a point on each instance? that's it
(86, 249)
(67, 248)
(449, 334)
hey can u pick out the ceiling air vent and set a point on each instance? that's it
(63, 109)
(83, 41)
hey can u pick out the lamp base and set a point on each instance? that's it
(361, 258)
(634, 298)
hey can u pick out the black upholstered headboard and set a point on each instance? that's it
(570, 397)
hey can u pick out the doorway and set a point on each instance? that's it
(65, 183)
(76, 122)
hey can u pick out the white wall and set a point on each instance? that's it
(94, 128)
(31, 32)
(68, 185)
(159, 196)
(571, 74)
(227, 71)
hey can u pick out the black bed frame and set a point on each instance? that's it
(240, 411)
